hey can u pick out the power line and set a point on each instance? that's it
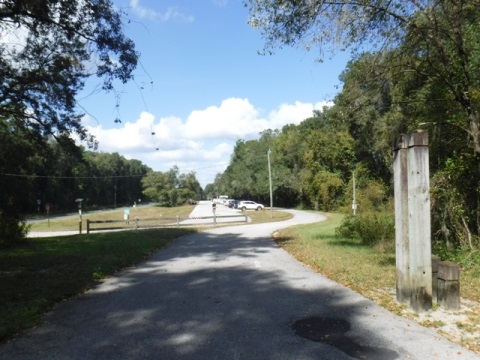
(99, 177)
(73, 177)
(205, 167)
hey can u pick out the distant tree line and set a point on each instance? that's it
(171, 188)
(414, 67)
(103, 180)
(414, 86)
(56, 177)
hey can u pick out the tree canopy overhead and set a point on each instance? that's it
(343, 23)
(48, 48)
(438, 40)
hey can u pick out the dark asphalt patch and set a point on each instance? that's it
(332, 332)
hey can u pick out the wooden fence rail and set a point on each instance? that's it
(145, 223)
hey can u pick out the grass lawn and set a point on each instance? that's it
(267, 216)
(66, 223)
(317, 246)
(44, 271)
(371, 272)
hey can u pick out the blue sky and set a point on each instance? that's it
(202, 86)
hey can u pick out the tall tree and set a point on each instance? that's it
(171, 188)
(43, 59)
(440, 37)
(48, 49)
(247, 175)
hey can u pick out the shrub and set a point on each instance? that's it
(12, 230)
(371, 228)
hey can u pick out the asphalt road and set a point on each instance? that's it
(227, 293)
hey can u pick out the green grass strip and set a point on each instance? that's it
(44, 271)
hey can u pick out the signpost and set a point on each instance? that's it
(79, 202)
(270, 183)
(47, 209)
(354, 203)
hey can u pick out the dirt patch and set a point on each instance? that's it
(459, 326)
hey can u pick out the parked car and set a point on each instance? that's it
(233, 204)
(249, 205)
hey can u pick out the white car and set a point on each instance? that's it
(249, 205)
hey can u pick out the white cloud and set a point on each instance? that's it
(203, 143)
(234, 118)
(175, 14)
(142, 11)
(294, 113)
(220, 2)
(172, 13)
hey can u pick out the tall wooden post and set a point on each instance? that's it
(419, 222)
(402, 248)
(412, 221)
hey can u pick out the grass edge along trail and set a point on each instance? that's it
(151, 211)
(318, 247)
(70, 222)
(44, 271)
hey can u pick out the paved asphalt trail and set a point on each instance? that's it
(227, 293)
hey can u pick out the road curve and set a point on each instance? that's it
(227, 293)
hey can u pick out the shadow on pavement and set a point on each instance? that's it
(206, 296)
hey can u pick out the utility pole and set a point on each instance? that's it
(270, 181)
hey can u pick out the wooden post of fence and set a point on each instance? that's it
(402, 248)
(449, 285)
(88, 226)
(435, 261)
(178, 220)
(136, 223)
(412, 221)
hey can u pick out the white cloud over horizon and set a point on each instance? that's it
(203, 142)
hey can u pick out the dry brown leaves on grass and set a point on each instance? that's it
(461, 327)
